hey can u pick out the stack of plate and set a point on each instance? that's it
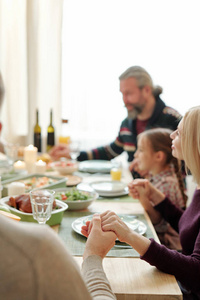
(95, 166)
(110, 188)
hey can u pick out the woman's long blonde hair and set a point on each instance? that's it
(190, 141)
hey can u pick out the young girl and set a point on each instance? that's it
(184, 266)
(154, 155)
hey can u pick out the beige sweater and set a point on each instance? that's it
(35, 265)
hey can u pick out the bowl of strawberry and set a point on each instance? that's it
(65, 166)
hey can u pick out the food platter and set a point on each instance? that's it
(56, 215)
(50, 182)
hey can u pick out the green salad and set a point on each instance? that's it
(72, 195)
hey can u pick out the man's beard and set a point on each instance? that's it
(132, 114)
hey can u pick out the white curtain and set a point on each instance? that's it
(30, 63)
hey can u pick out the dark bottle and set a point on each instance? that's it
(37, 134)
(50, 133)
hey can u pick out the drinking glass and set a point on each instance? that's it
(116, 170)
(42, 202)
(74, 148)
(11, 151)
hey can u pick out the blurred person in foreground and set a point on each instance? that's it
(35, 264)
(1, 101)
(185, 265)
(145, 110)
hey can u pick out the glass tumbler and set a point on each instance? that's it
(42, 203)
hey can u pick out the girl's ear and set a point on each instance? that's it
(160, 156)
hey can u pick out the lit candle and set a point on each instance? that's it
(16, 188)
(30, 157)
(19, 165)
(40, 167)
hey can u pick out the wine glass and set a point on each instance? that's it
(42, 203)
(74, 149)
(11, 151)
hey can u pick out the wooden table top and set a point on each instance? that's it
(133, 278)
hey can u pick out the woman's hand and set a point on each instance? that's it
(98, 242)
(111, 222)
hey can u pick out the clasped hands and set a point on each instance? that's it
(104, 228)
(102, 232)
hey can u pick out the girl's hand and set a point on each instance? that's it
(142, 189)
(135, 167)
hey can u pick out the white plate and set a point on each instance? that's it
(87, 187)
(115, 194)
(108, 187)
(130, 221)
(95, 166)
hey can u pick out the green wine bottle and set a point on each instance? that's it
(50, 133)
(37, 133)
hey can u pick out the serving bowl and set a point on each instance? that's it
(76, 204)
(65, 166)
(56, 215)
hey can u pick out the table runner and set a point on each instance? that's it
(76, 243)
(125, 198)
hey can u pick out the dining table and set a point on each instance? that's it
(129, 276)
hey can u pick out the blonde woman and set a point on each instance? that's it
(186, 265)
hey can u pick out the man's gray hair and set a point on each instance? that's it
(143, 78)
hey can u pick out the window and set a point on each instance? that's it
(102, 38)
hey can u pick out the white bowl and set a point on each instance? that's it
(65, 167)
(77, 204)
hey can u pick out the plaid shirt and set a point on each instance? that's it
(167, 183)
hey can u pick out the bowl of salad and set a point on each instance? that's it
(75, 199)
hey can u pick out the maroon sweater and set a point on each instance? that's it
(184, 266)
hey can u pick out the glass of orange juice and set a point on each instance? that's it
(116, 171)
(64, 139)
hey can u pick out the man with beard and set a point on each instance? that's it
(145, 110)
